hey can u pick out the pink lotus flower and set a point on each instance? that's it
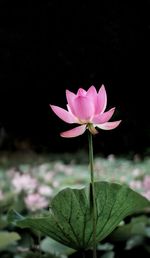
(35, 202)
(87, 109)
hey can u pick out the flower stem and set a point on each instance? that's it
(92, 192)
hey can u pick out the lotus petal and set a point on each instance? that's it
(79, 130)
(63, 114)
(108, 125)
(104, 117)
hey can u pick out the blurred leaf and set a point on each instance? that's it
(110, 254)
(105, 247)
(14, 216)
(137, 226)
(26, 241)
(147, 231)
(70, 220)
(3, 222)
(7, 238)
(48, 245)
(7, 202)
(33, 255)
(134, 241)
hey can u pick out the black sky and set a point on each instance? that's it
(51, 46)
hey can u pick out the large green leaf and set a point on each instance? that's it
(70, 219)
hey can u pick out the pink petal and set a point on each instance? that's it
(83, 108)
(79, 130)
(108, 125)
(81, 92)
(104, 117)
(70, 97)
(63, 114)
(92, 94)
(101, 100)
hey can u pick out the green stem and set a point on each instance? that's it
(92, 192)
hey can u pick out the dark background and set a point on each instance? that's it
(49, 46)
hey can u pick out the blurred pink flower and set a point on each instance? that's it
(48, 177)
(87, 109)
(45, 190)
(35, 202)
(24, 182)
(146, 194)
(55, 183)
(146, 182)
(135, 184)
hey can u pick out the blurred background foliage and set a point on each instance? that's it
(29, 182)
(49, 46)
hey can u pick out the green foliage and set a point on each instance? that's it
(110, 254)
(58, 172)
(7, 202)
(70, 220)
(49, 245)
(133, 234)
(7, 238)
(137, 226)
